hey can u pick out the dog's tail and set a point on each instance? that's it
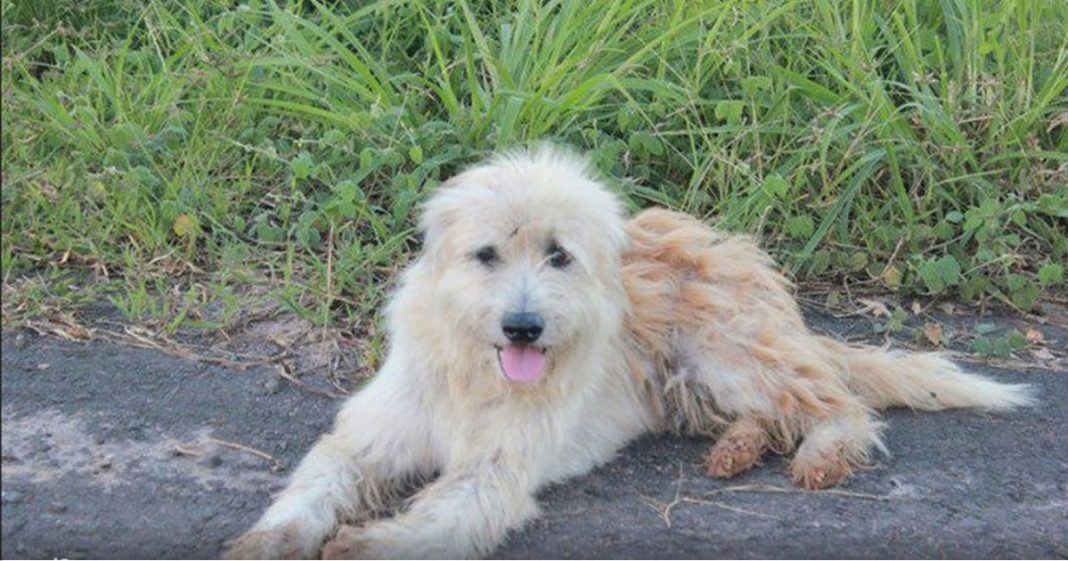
(928, 381)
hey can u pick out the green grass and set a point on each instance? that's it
(170, 155)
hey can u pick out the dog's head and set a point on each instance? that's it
(523, 256)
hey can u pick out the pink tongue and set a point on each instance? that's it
(522, 363)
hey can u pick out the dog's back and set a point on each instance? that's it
(715, 329)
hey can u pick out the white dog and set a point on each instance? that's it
(538, 332)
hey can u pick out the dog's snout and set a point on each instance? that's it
(523, 328)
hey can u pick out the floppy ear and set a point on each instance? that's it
(439, 213)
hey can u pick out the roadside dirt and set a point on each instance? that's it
(116, 451)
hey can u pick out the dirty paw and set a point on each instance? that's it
(349, 543)
(726, 462)
(734, 454)
(266, 544)
(820, 474)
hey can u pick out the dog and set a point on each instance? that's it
(539, 331)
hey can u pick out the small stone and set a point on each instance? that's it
(11, 497)
(215, 461)
(250, 463)
(98, 440)
(272, 386)
(105, 464)
(135, 427)
(57, 508)
(21, 340)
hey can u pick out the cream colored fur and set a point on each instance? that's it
(659, 323)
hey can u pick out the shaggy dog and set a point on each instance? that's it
(539, 331)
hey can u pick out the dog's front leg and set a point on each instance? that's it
(464, 514)
(380, 438)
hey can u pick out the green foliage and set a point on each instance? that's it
(1051, 274)
(940, 274)
(1001, 345)
(919, 143)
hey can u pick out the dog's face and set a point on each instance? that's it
(524, 254)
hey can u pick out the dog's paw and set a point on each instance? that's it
(735, 453)
(266, 544)
(727, 459)
(349, 543)
(820, 472)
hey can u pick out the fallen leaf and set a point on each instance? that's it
(72, 332)
(1042, 354)
(1035, 337)
(185, 226)
(948, 308)
(877, 308)
(917, 309)
(933, 332)
(892, 276)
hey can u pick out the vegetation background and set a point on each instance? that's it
(181, 158)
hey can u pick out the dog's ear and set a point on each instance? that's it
(439, 212)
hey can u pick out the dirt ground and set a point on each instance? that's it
(116, 451)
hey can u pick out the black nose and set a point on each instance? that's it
(522, 328)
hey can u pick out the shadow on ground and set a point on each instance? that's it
(111, 451)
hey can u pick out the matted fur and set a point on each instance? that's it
(659, 323)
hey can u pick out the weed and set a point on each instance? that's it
(915, 145)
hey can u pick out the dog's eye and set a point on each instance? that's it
(487, 255)
(558, 257)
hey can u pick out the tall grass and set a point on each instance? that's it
(915, 145)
